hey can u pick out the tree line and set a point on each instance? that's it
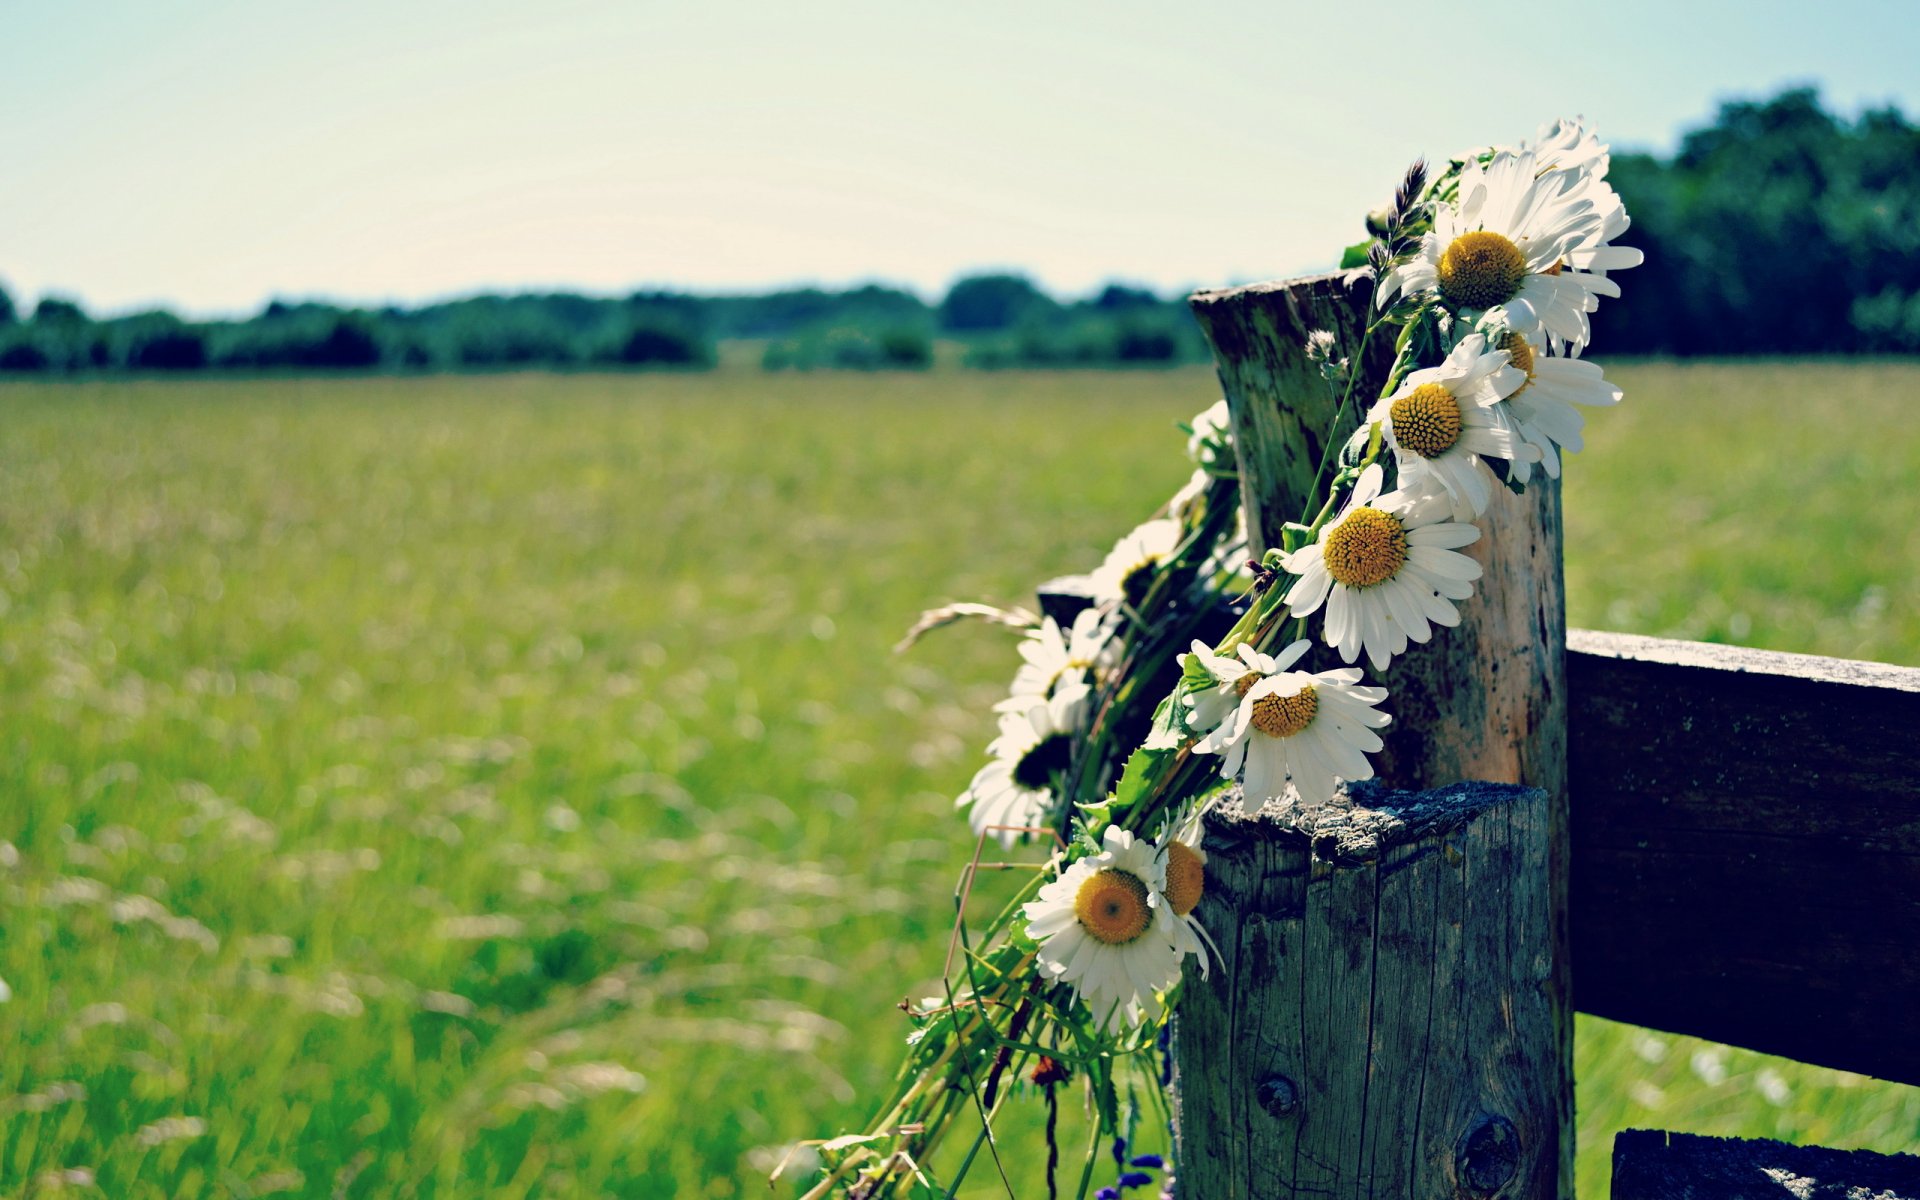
(1777, 228)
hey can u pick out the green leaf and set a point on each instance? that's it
(1142, 772)
(1355, 255)
(1194, 677)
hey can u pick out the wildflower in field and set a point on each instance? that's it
(1386, 569)
(1542, 409)
(1294, 733)
(1015, 789)
(1444, 420)
(1210, 445)
(1105, 926)
(1060, 665)
(1505, 245)
(1135, 559)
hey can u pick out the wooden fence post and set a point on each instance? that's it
(1484, 701)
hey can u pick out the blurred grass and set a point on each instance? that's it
(503, 786)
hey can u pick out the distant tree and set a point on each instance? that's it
(992, 303)
(1140, 343)
(58, 310)
(19, 353)
(1777, 229)
(7, 314)
(162, 348)
(1118, 297)
(652, 342)
(348, 344)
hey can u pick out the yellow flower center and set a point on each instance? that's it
(1112, 906)
(1366, 548)
(1481, 269)
(1426, 420)
(1284, 716)
(1519, 350)
(1186, 878)
(1520, 353)
(1244, 684)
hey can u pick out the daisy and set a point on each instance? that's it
(1135, 559)
(1296, 732)
(1566, 144)
(1232, 675)
(1575, 155)
(1182, 505)
(1059, 664)
(1016, 788)
(1504, 244)
(1445, 419)
(1386, 568)
(1210, 445)
(1186, 868)
(1542, 409)
(1105, 927)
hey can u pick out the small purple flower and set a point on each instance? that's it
(1107, 1194)
(1120, 1151)
(1134, 1179)
(1152, 1162)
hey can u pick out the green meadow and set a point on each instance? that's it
(504, 786)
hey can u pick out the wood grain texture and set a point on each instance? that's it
(1379, 1023)
(1281, 410)
(1746, 838)
(1486, 700)
(1652, 1165)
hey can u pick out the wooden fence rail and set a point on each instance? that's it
(1745, 832)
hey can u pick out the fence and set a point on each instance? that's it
(1711, 840)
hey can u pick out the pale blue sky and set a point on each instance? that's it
(210, 154)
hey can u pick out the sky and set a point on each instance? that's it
(208, 155)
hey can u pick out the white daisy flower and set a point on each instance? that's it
(1210, 446)
(1542, 410)
(1577, 156)
(1060, 664)
(1506, 245)
(1186, 868)
(1296, 733)
(1015, 788)
(1566, 144)
(1233, 675)
(1105, 927)
(1181, 506)
(1130, 566)
(1445, 419)
(1386, 568)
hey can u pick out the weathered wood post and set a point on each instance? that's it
(1428, 957)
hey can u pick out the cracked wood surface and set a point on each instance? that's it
(1379, 1023)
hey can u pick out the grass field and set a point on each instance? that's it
(502, 786)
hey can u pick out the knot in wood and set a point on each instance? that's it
(1278, 1095)
(1488, 1157)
